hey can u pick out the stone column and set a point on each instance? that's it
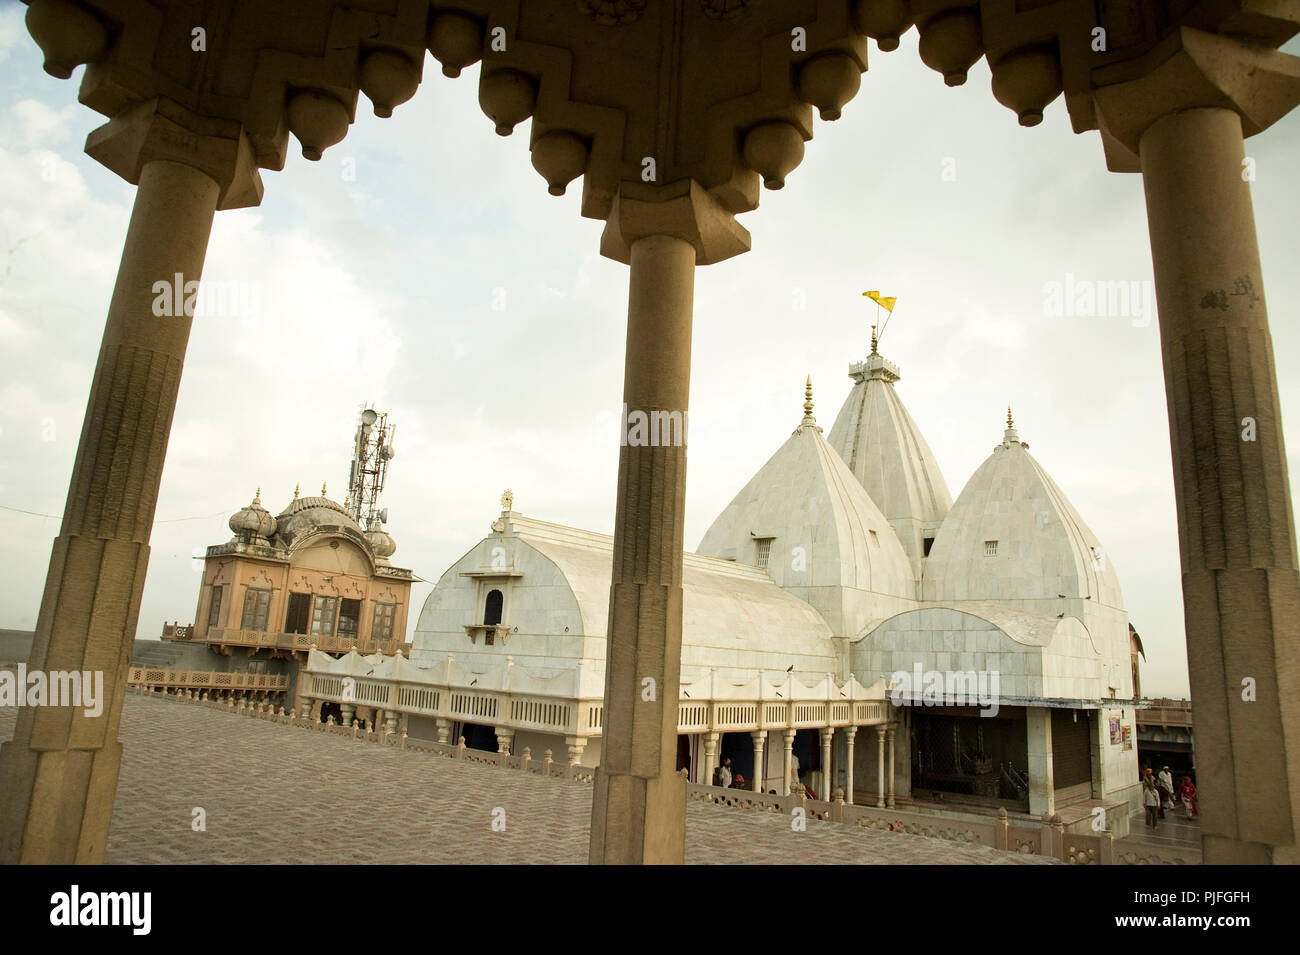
(827, 737)
(850, 734)
(787, 761)
(889, 733)
(638, 810)
(1186, 121)
(1241, 591)
(760, 740)
(58, 775)
(505, 737)
(444, 730)
(710, 757)
(880, 767)
(1099, 740)
(576, 744)
(1038, 729)
(347, 713)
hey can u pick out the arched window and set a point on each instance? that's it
(492, 608)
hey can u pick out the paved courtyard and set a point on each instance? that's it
(279, 794)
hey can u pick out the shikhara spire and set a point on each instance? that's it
(808, 421)
(885, 450)
(1010, 435)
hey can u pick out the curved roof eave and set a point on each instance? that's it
(737, 593)
(1024, 627)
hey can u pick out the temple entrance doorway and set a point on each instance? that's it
(476, 736)
(960, 756)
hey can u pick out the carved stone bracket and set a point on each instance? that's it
(692, 214)
(1193, 69)
(160, 129)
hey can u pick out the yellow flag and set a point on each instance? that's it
(887, 303)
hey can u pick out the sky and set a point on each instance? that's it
(422, 267)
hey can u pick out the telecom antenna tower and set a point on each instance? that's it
(371, 453)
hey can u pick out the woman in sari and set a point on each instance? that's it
(1188, 793)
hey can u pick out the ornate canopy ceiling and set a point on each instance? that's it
(634, 96)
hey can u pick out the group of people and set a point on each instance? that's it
(724, 777)
(1158, 795)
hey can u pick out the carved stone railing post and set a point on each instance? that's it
(1002, 831)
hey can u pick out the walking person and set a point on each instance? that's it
(1188, 793)
(1151, 799)
(1165, 780)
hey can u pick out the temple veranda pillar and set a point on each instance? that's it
(1186, 121)
(787, 762)
(710, 756)
(58, 775)
(889, 797)
(880, 766)
(759, 739)
(1038, 746)
(638, 813)
(828, 786)
(1241, 590)
(850, 737)
(638, 810)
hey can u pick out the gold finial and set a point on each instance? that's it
(1009, 424)
(347, 499)
(322, 488)
(295, 491)
(873, 339)
(807, 398)
(507, 500)
(258, 495)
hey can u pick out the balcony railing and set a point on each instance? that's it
(1164, 712)
(579, 717)
(176, 632)
(206, 679)
(336, 643)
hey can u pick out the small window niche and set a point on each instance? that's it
(491, 618)
(990, 548)
(492, 607)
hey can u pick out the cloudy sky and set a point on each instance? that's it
(380, 287)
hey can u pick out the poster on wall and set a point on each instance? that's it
(1115, 736)
(1128, 737)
